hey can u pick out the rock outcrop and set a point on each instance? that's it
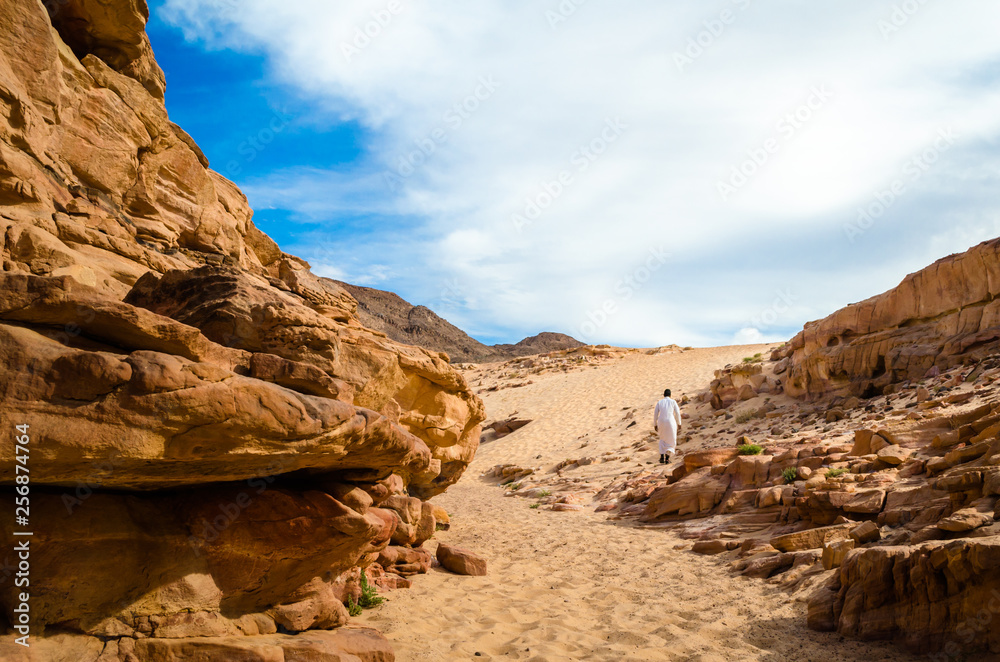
(904, 516)
(939, 596)
(418, 325)
(942, 316)
(218, 446)
(734, 384)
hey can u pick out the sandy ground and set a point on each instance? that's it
(576, 586)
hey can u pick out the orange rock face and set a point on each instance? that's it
(939, 596)
(218, 444)
(936, 318)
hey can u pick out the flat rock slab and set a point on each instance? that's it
(967, 519)
(460, 561)
(895, 455)
(865, 533)
(713, 547)
(813, 538)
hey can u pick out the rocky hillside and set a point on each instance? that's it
(419, 325)
(217, 446)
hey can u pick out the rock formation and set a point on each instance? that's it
(218, 446)
(740, 383)
(945, 315)
(418, 325)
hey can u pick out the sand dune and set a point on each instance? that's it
(575, 586)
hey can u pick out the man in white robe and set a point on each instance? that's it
(667, 421)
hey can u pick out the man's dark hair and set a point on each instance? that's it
(666, 393)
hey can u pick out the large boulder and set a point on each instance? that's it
(461, 561)
(697, 494)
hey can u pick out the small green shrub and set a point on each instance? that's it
(750, 449)
(790, 474)
(535, 506)
(545, 493)
(749, 415)
(756, 358)
(833, 473)
(353, 608)
(514, 487)
(369, 594)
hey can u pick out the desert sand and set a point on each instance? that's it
(575, 585)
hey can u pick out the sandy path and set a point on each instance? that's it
(565, 407)
(574, 586)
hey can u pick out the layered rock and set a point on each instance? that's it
(219, 447)
(939, 317)
(301, 318)
(939, 596)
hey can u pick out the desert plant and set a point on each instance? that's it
(833, 473)
(756, 358)
(749, 415)
(790, 474)
(513, 487)
(749, 449)
(369, 594)
(353, 608)
(545, 493)
(535, 506)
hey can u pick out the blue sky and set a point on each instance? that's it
(247, 124)
(574, 165)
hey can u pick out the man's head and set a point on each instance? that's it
(666, 393)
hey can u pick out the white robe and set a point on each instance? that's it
(667, 418)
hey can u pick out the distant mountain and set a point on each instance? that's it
(421, 326)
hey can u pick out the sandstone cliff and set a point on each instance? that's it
(939, 317)
(218, 445)
(419, 325)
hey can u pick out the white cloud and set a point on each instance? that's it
(748, 336)
(490, 105)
